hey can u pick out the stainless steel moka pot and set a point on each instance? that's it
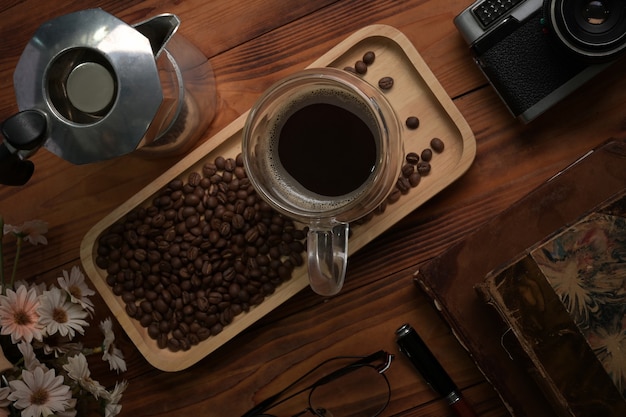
(90, 87)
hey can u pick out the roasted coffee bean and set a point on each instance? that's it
(209, 169)
(203, 334)
(412, 158)
(176, 184)
(161, 306)
(173, 344)
(423, 168)
(385, 83)
(369, 57)
(216, 329)
(153, 330)
(220, 162)
(437, 145)
(394, 196)
(360, 67)
(412, 122)
(150, 295)
(350, 69)
(403, 185)
(194, 179)
(407, 170)
(427, 155)
(128, 296)
(239, 172)
(257, 299)
(131, 309)
(215, 297)
(192, 200)
(229, 165)
(414, 179)
(145, 320)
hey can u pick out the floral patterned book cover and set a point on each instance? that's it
(565, 301)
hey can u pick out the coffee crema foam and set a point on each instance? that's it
(289, 188)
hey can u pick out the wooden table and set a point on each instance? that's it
(251, 44)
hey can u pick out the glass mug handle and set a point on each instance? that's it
(327, 248)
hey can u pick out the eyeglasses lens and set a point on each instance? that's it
(364, 392)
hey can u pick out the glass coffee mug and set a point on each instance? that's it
(323, 147)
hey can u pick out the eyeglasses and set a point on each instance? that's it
(359, 388)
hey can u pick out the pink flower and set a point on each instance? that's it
(18, 315)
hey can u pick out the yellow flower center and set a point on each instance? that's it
(75, 291)
(39, 397)
(59, 315)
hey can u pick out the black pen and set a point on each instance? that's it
(415, 349)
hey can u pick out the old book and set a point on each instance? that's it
(564, 300)
(450, 278)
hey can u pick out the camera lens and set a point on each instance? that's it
(593, 29)
(595, 12)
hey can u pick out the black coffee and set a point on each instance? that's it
(329, 150)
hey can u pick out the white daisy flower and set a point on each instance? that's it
(115, 357)
(113, 407)
(70, 411)
(74, 284)
(4, 393)
(4, 402)
(40, 393)
(60, 315)
(38, 287)
(18, 315)
(78, 370)
(106, 326)
(30, 359)
(111, 354)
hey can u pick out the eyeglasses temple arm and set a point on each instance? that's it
(355, 365)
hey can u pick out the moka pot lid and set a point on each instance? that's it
(96, 80)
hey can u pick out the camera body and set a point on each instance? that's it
(536, 52)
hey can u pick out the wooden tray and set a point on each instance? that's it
(416, 92)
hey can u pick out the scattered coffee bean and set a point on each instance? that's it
(412, 122)
(427, 155)
(437, 145)
(412, 158)
(394, 196)
(414, 179)
(350, 69)
(385, 83)
(407, 170)
(369, 57)
(403, 185)
(360, 67)
(423, 168)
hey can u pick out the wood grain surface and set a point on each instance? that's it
(252, 44)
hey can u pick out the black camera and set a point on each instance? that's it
(536, 52)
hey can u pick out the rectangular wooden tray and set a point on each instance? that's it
(416, 92)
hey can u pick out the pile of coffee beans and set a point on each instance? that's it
(204, 250)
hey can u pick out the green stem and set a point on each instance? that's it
(92, 351)
(20, 239)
